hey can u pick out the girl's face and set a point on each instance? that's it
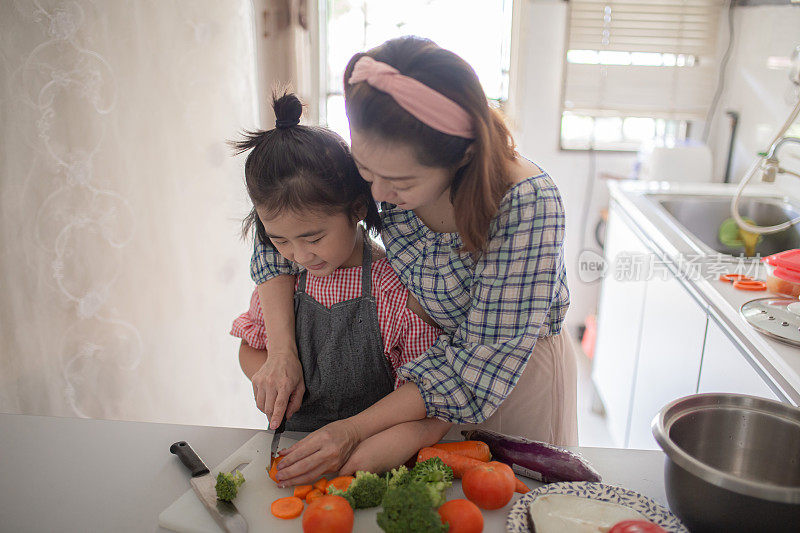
(320, 242)
(395, 174)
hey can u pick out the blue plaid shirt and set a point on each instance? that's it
(492, 308)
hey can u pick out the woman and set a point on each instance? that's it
(476, 233)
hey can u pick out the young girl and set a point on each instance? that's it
(353, 325)
(476, 234)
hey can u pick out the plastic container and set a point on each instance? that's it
(783, 273)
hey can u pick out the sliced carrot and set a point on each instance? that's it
(321, 484)
(341, 482)
(520, 487)
(313, 495)
(301, 491)
(287, 508)
(273, 470)
(468, 448)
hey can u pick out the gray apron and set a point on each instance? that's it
(341, 351)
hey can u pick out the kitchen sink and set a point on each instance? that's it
(701, 216)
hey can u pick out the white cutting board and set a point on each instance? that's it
(188, 515)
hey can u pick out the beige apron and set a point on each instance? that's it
(543, 405)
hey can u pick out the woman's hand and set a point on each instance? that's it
(278, 386)
(323, 451)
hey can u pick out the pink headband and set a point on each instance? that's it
(429, 106)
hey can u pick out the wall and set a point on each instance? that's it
(537, 122)
(762, 96)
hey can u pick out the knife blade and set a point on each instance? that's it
(276, 440)
(204, 484)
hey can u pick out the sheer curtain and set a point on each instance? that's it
(120, 208)
(288, 51)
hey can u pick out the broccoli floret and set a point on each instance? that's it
(228, 485)
(438, 492)
(333, 491)
(398, 476)
(437, 476)
(366, 490)
(409, 508)
(432, 470)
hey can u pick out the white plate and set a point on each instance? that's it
(517, 521)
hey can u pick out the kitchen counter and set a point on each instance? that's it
(70, 474)
(778, 363)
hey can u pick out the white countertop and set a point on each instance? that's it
(776, 361)
(79, 475)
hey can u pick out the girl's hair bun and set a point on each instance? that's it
(297, 169)
(288, 109)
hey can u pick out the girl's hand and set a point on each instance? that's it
(278, 387)
(323, 451)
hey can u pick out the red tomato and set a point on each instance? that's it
(635, 526)
(328, 514)
(489, 485)
(462, 515)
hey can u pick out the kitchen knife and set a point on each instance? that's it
(276, 440)
(203, 483)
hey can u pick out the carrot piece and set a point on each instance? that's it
(321, 484)
(341, 482)
(459, 463)
(468, 448)
(273, 469)
(301, 491)
(313, 495)
(287, 508)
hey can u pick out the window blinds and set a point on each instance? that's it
(685, 30)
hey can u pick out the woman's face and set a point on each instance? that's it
(395, 174)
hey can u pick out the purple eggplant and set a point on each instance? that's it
(537, 460)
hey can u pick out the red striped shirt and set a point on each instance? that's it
(405, 336)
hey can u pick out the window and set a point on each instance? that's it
(637, 72)
(477, 30)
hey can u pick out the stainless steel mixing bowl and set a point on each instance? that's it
(733, 462)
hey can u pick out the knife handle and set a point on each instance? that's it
(282, 427)
(189, 459)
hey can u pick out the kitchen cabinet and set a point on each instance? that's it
(670, 349)
(726, 369)
(656, 340)
(619, 321)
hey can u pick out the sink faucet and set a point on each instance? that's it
(770, 165)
